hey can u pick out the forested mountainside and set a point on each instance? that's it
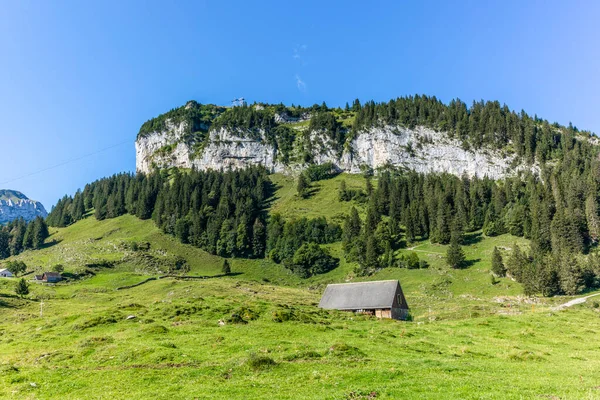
(550, 197)
(417, 133)
(227, 214)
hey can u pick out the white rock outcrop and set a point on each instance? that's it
(420, 149)
(19, 206)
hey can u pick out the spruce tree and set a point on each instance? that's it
(226, 269)
(39, 232)
(342, 193)
(351, 233)
(369, 186)
(4, 244)
(28, 238)
(498, 268)
(258, 238)
(303, 186)
(22, 288)
(455, 256)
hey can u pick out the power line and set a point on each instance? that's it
(65, 162)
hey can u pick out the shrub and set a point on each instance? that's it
(310, 259)
(156, 330)
(345, 350)
(22, 288)
(258, 362)
(320, 172)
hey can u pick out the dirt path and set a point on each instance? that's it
(414, 248)
(573, 302)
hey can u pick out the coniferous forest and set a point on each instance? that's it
(19, 235)
(553, 202)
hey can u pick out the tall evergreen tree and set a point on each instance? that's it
(498, 268)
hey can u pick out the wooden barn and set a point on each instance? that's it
(384, 299)
(51, 277)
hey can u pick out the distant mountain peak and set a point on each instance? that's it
(14, 205)
(15, 196)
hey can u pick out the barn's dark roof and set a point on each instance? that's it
(357, 296)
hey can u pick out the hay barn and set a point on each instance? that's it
(384, 299)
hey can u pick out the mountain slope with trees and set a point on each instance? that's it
(416, 133)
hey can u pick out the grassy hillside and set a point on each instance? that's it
(469, 338)
(84, 346)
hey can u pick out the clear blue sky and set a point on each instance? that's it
(80, 76)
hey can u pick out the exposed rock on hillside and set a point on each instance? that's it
(420, 149)
(14, 205)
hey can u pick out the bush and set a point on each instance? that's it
(310, 259)
(345, 350)
(97, 321)
(411, 261)
(258, 362)
(16, 267)
(285, 314)
(320, 172)
(22, 288)
(58, 268)
(156, 330)
(243, 315)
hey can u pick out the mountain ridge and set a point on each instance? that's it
(416, 133)
(15, 205)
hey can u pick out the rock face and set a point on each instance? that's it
(420, 149)
(14, 205)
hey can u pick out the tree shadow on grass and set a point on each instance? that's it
(470, 263)
(5, 304)
(472, 238)
(271, 198)
(311, 191)
(51, 243)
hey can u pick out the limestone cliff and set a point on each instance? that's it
(14, 205)
(420, 149)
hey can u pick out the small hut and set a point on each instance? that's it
(51, 277)
(384, 299)
(5, 273)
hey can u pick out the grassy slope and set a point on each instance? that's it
(470, 339)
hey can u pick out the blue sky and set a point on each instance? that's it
(77, 77)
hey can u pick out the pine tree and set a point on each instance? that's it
(182, 230)
(258, 238)
(22, 288)
(455, 256)
(369, 186)
(351, 233)
(517, 263)
(303, 186)
(372, 253)
(226, 269)
(342, 193)
(591, 212)
(242, 239)
(39, 232)
(372, 219)
(571, 275)
(28, 237)
(4, 244)
(498, 268)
